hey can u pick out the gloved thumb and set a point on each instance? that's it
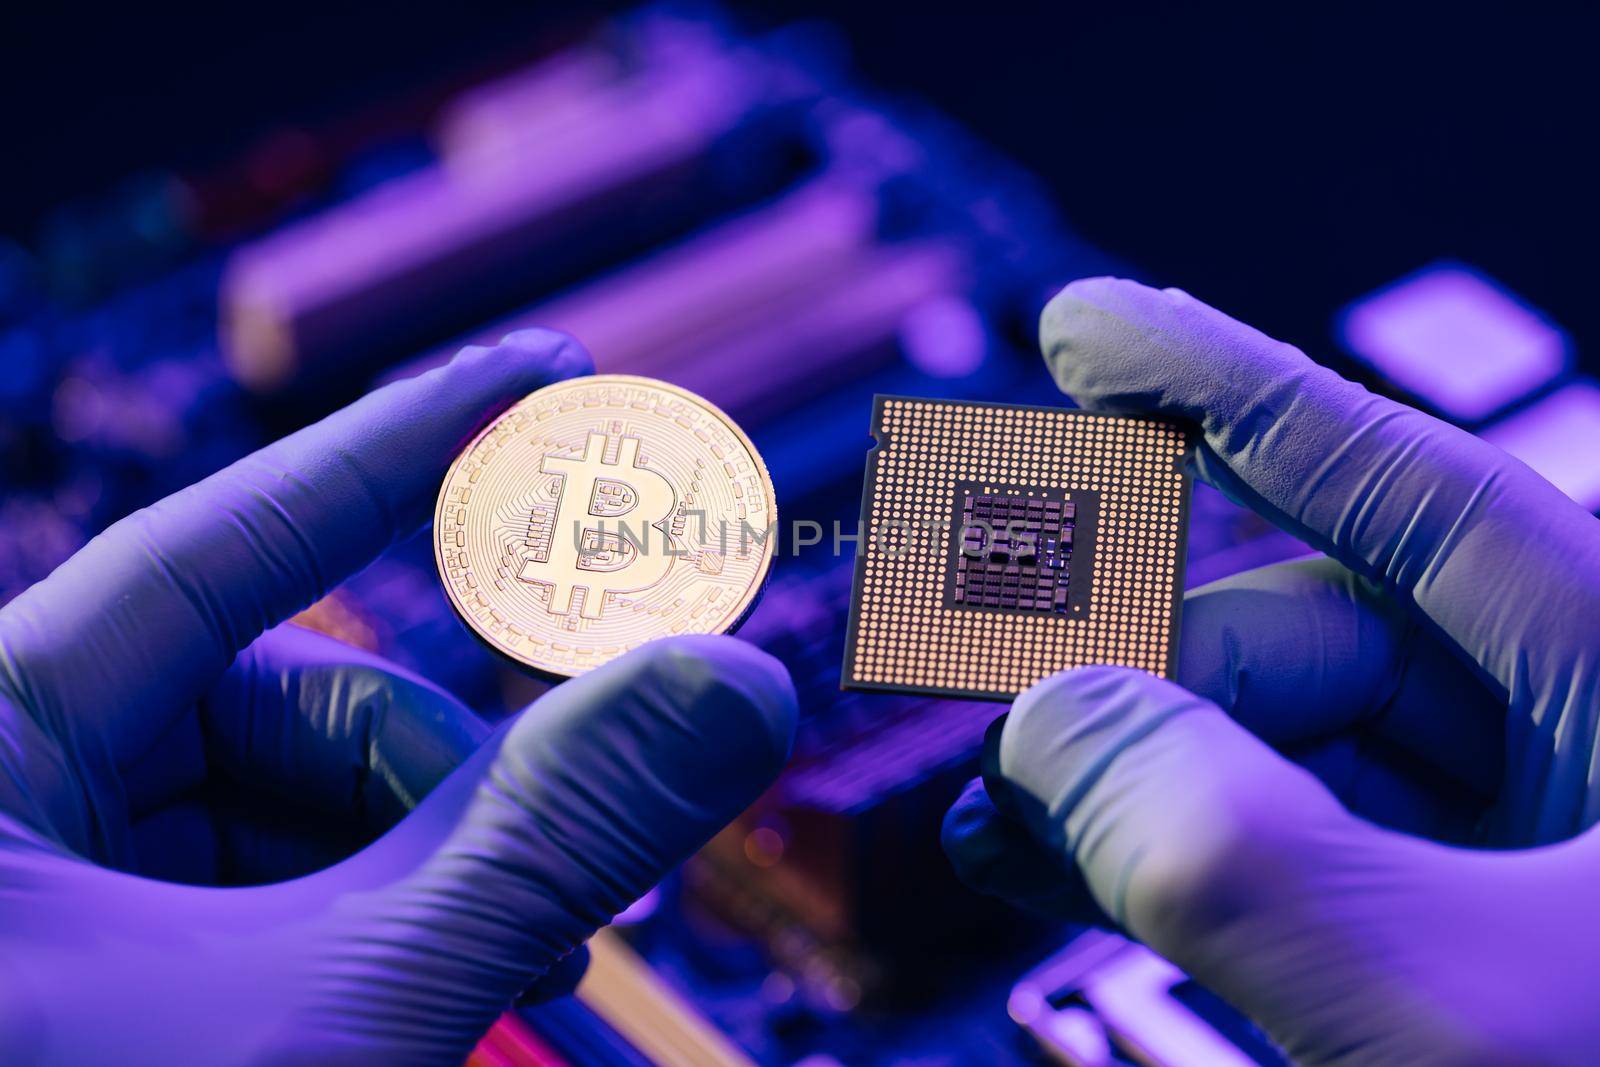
(1190, 833)
(599, 790)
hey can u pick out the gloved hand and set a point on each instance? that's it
(1288, 825)
(148, 724)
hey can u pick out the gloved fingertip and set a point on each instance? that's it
(729, 676)
(1062, 729)
(725, 695)
(1034, 724)
(566, 355)
(1093, 292)
(526, 359)
(1088, 319)
(1072, 692)
(1093, 284)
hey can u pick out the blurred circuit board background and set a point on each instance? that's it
(217, 233)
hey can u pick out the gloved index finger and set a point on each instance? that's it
(146, 615)
(1501, 561)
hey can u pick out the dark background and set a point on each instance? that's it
(1276, 160)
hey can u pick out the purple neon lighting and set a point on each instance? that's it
(1557, 438)
(944, 337)
(1457, 339)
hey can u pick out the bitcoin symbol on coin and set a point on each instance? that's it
(593, 558)
(562, 559)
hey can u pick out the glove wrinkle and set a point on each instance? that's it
(1439, 663)
(147, 720)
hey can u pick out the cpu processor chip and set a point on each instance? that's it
(1002, 543)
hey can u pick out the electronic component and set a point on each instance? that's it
(1002, 543)
(641, 1007)
(774, 240)
(1546, 435)
(838, 868)
(1014, 551)
(1104, 1001)
(624, 1014)
(593, 156)
(1455, 339)
(800, 285)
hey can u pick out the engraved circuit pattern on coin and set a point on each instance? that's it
(599, 513)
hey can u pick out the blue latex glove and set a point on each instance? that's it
(147, 724)
(1288, 825)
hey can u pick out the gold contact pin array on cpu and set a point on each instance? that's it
(1003, 543)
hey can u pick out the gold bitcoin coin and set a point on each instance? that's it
(599, 513)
